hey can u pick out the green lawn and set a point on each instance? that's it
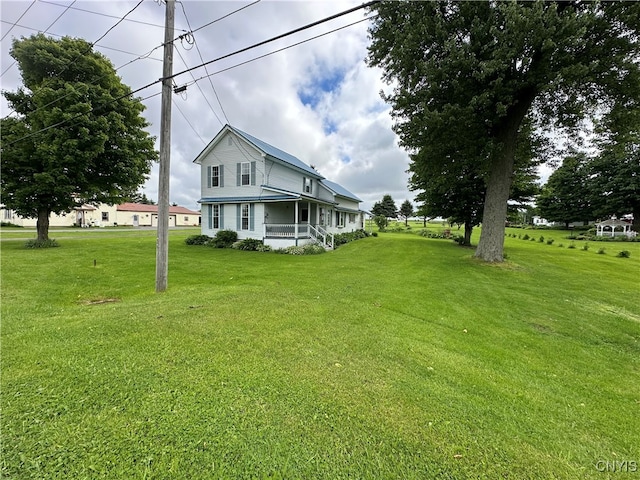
(392, 357)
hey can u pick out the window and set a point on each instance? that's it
(340, 219)
(215, 176)
(352, 218)
(304, 215)
(186, 219)
(245, 216)
(105, 216)
(215, 216)
(322, 216)
(306, 187)
(7, 214)
(245, 175)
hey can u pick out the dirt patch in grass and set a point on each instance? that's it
(99, 301)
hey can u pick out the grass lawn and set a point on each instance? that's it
(392, 357)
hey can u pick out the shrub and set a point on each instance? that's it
(224, 239)
(33, 243)
(525, 236)
(374, 234)
(248, 244)
(561, 245)
(550, 241)
(601, 251)
(572, 245)
(381, 221)
(197, 240)
(342, 238)
(624, 254)
(585, 247)
(10, 225)
(308, 249)
(541, 239)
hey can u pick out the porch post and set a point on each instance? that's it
(295, 224)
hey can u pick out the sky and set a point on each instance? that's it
(318, 100)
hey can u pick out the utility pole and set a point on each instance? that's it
(162, 242)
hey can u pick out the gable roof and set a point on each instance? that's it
(339, 190)
(263, 147)
(275, 153)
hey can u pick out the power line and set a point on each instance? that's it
(45, 31)
(223, 17)
(15, 23)
(283, 48)
(212, 61)
(88, 50)
(278, 37)
(107, 15)
(202, 60)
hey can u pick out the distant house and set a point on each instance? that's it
(103, 215)
(262, 192)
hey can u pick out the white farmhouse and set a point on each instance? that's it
(261, 192)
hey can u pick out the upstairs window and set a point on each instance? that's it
(245, 175)
(215, 176)
(307, 185)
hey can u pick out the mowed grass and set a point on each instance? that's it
(391, 357)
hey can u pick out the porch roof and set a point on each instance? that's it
(260, 199)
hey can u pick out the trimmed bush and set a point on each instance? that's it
(226, 237)
(248, 244)
(342, 238)
(624, 254)
(198, 240)
(601, 251)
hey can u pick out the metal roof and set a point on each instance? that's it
(339, 190)
(276, 153)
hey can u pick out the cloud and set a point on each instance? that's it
(318, 100)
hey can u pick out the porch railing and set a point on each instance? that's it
(286, 230)
(321, 235)
(301, 230)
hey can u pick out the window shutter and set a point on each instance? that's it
(239, 176)
(238, 218)
(210, 215)
(304, 184)
(222, 217)
(209, 177)
(253, 173)
(252, 208)
(221, 173)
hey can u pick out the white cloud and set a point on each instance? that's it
(345, 132)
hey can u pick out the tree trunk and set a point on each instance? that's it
(468, 228)
(491, 244)
(42, 225)
(494, 216)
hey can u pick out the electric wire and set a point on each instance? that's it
(188, 122)
(277, 37)
(202, 60)
(144, 87)
(107, 15)
(224, 16)
(88, 50)
(45, 31)
(282, 49)
(205, 97)
(23, 14)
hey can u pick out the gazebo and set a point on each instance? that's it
(614, 228)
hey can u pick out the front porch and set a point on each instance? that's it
(281, 235)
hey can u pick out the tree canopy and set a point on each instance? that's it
(566, 195)
(385, 207)
(469, 76)
(406, 210)
(77, 135)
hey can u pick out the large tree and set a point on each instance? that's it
(566, 195)
(385, 207)
(406, 210)
(615, 171)
(488, 67)
(77, 136)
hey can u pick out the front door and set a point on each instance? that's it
(136, 220)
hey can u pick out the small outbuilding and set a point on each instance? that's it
(614, 228)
